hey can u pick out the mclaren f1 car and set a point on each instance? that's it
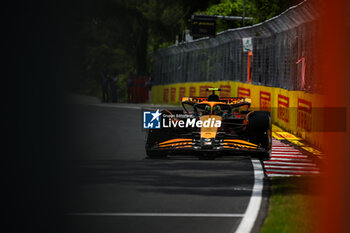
(211, 127)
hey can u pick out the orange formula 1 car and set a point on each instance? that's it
(211, 127)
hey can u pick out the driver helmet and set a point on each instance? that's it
(217, 109)
(207, 109)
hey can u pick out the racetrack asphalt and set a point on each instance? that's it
(113, 187)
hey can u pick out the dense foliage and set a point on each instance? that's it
(119, 36)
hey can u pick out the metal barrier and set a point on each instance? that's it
(283, 54)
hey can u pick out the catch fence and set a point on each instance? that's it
(283, 55)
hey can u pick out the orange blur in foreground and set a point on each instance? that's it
(332, 214)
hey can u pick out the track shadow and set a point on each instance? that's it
(169, 176)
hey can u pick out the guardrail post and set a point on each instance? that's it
(249, 68)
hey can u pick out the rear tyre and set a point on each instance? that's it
(261, 155)
(264, 156)
(259, 132)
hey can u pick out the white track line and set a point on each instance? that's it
(282, 147)
(288, 155)
(287, 163)
(289, 167)
(280, 175)
(207, 215)
(253, 208)
(292, 171)
(286, 152)
(291, 160)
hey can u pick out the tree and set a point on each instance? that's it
(266, 9)
(260, 10)
(119, 35)
(230, 8)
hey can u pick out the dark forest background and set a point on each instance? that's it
(119, 36)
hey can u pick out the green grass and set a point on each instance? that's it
(291, 205)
